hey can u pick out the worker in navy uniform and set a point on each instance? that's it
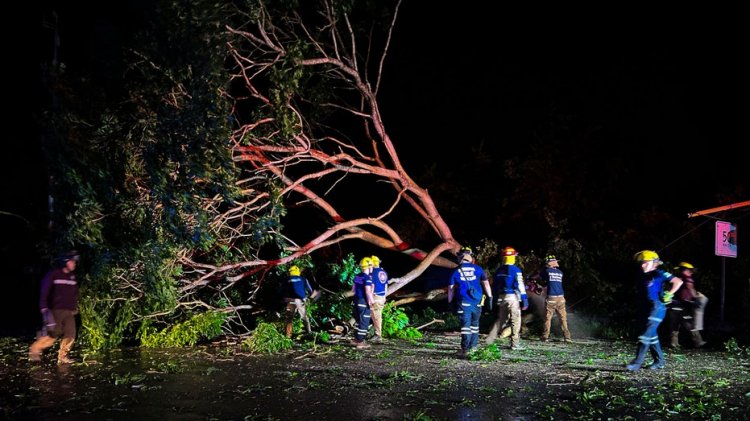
(362, 288)
(466, 286)
(651, 287)
(552, 276)
(297, 291)
(380, 284)
(508, 287)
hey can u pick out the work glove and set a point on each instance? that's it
(525, 303)
(489, 303)
(667, 297)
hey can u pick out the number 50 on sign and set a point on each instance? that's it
(726, 239)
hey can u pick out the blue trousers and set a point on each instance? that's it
(362, 317)
(469, 314)
(649, 340)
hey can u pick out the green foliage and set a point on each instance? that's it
(395, 323)
(346, 270)
(203, 326)
(104, 322)
(267, 339)
(486, 353)
(331, 308)
(736, 350)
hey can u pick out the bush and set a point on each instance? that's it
(267, 339)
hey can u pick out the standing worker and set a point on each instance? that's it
(58, 303)
(297, 290)
(687, 308)
(362, 288)
(466, 285)
(380, 290)
(651, 286)
(555, 302)
(508, 286)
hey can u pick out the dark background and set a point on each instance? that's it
(661, 93)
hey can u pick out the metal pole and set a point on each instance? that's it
(723, 275)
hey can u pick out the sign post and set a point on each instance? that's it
(725, 246)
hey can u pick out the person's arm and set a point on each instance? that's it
(676, 284)
(487, 288)
(522, 289)
(369, 294)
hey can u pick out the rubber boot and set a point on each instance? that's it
(62, 354)
(640, 355)
(697, 339)
(674, 340)
(35, 350)
(659, 360)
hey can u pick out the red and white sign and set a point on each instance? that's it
(726, 239)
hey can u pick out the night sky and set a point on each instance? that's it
(663, 93)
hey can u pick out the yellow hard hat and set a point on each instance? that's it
(375, 261)
(365, 263)
(645, 256)
(684, 265)
(294, 271)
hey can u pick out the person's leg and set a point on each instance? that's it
(476, 312)
(302, 310)
(289, 317)
(68, 321)
(563, 314)
(466, 316)
(650, 336)
(658, 355)
(502, 315)
(675, 314)
(39, 345)
(377, 315)
(515, 323)
(700, 307)
(549, 311)
(363, 321)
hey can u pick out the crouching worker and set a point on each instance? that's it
(650, 285)
(297, 290)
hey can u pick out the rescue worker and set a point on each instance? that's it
(58, 303)
(466, 286)
(652, 288)
(552, 276)
(380, 290)
(297, 291)
(687, 309)
(362, 288)
(508, 287)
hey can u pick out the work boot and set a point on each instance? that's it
(697, 339)
(62, 354)
(658, 355)
(674, 340)
(64, 360)
(640, 355)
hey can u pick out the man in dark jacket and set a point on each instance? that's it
(58, 303)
